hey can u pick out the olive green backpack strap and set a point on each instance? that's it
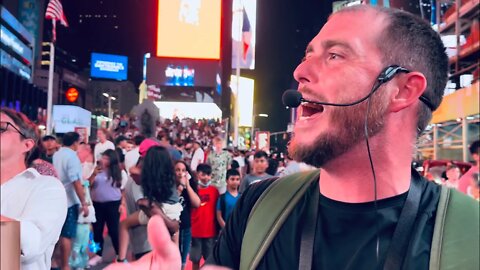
(270, 212)
(456, 236)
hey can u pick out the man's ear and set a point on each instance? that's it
(410, 87)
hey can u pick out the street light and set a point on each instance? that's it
(110, 98)
(264, 115)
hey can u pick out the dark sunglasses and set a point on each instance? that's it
(4, 127)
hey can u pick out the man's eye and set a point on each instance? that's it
(333, 56)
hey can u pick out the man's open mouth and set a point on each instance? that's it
(309, 109)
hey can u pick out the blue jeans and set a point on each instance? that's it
(185, 239)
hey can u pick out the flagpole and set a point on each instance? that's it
(50, 85)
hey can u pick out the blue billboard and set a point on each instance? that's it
(109, 66)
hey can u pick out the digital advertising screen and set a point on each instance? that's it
(243, 89)
(182, 72)
(189, 29)
(244, 22)
(109, 66)
(68, 117)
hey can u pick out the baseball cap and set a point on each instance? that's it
(145, 145)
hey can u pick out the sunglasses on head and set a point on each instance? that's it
(4, 127)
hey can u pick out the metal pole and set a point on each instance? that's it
(110, 108)
(465, 139)
(50, 89)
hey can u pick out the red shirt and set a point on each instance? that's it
(203, 218)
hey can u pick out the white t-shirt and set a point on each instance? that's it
(131, 158)
(39, 202)
(102, 147)
(198, 157)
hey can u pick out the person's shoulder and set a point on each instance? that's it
(255, 190)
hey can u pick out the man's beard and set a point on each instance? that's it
(349, 123)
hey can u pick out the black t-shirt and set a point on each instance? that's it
(185, 221)
(345, 235)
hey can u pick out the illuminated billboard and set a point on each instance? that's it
(189, 29)
(192, 110)
(243, 33)
(182, 72)
(109, 66)
(244, 94)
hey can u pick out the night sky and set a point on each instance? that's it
(284, 28)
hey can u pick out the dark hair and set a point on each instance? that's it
(452, 166)
(27, 127)
(120, 139)
(121, 156)
(409, 41)
(48, 138)
(475, 147)
(158, 174)
(235, 165)
(232, 172)
(138, 139)
(70, 138)
(272, 166)
(204, 168)
(114, 168)
(260, 154)
(193, 180)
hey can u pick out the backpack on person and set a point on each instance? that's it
(455, 243)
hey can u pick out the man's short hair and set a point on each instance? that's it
(120, 139)
(138, 139)
(260, 154)
(409, 41)
(232, 172)
(48, 138)
(475, 147)
(70, 138)
(204, 168)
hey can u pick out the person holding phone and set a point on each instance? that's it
(187, 190)
(106, 194)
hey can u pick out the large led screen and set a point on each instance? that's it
(243, 33)
(182, 72)
(109, 66)
(189, 29)
(243, 89)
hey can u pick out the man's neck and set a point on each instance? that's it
(258, 173)
(233, 191)
(10, 168)
(349, 178)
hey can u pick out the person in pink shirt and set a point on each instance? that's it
(465, 180)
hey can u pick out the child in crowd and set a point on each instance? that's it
(260, 165)
(159, 188)
(204, 227)
(227, 200)
(79, 256)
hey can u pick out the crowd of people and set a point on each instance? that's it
(185, 174)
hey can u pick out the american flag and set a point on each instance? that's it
(55, 13)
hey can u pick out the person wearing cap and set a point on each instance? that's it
(198, 155)
(50, 146)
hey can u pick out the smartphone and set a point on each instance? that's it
(188, 176)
